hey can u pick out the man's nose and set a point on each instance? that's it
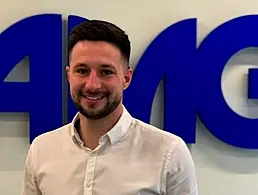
(93, 82)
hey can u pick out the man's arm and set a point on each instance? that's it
(180, 172)
(30, 185)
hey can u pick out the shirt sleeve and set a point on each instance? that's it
(180, 177)
(30, 185)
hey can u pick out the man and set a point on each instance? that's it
(104, 150)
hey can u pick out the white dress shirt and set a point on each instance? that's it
(133, 158)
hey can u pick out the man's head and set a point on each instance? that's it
(98, 70)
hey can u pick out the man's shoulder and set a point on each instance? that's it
(52, 136)
(49, 145)
(156, 136)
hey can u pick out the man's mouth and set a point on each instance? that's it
(94, 97)
(98, 97)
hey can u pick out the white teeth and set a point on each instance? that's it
(93, 97)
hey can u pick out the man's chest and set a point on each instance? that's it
(100, 175)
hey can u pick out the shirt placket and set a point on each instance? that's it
(89, 174)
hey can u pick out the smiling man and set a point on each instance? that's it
(104, 150)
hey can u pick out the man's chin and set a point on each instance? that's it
(94, 115)
(96, 111)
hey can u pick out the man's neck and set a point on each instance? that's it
(91, 130)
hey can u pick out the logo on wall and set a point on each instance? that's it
(192, 77)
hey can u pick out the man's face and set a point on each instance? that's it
(97, 77)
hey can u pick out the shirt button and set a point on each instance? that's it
(88, 185)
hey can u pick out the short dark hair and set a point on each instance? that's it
(98, 30)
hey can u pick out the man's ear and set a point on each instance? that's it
(68, 72)
(128, 77)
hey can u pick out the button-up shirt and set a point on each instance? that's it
(133, 158)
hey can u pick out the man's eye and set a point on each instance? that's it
(106, 72)
(82, 71)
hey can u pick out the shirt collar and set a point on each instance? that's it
(114, 135)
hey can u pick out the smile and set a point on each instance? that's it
(94, 98)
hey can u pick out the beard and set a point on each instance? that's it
(93, 112)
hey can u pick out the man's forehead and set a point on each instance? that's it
(100, 53)
(100, 46)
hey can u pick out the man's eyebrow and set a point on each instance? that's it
(81, 65)
(108, 66)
